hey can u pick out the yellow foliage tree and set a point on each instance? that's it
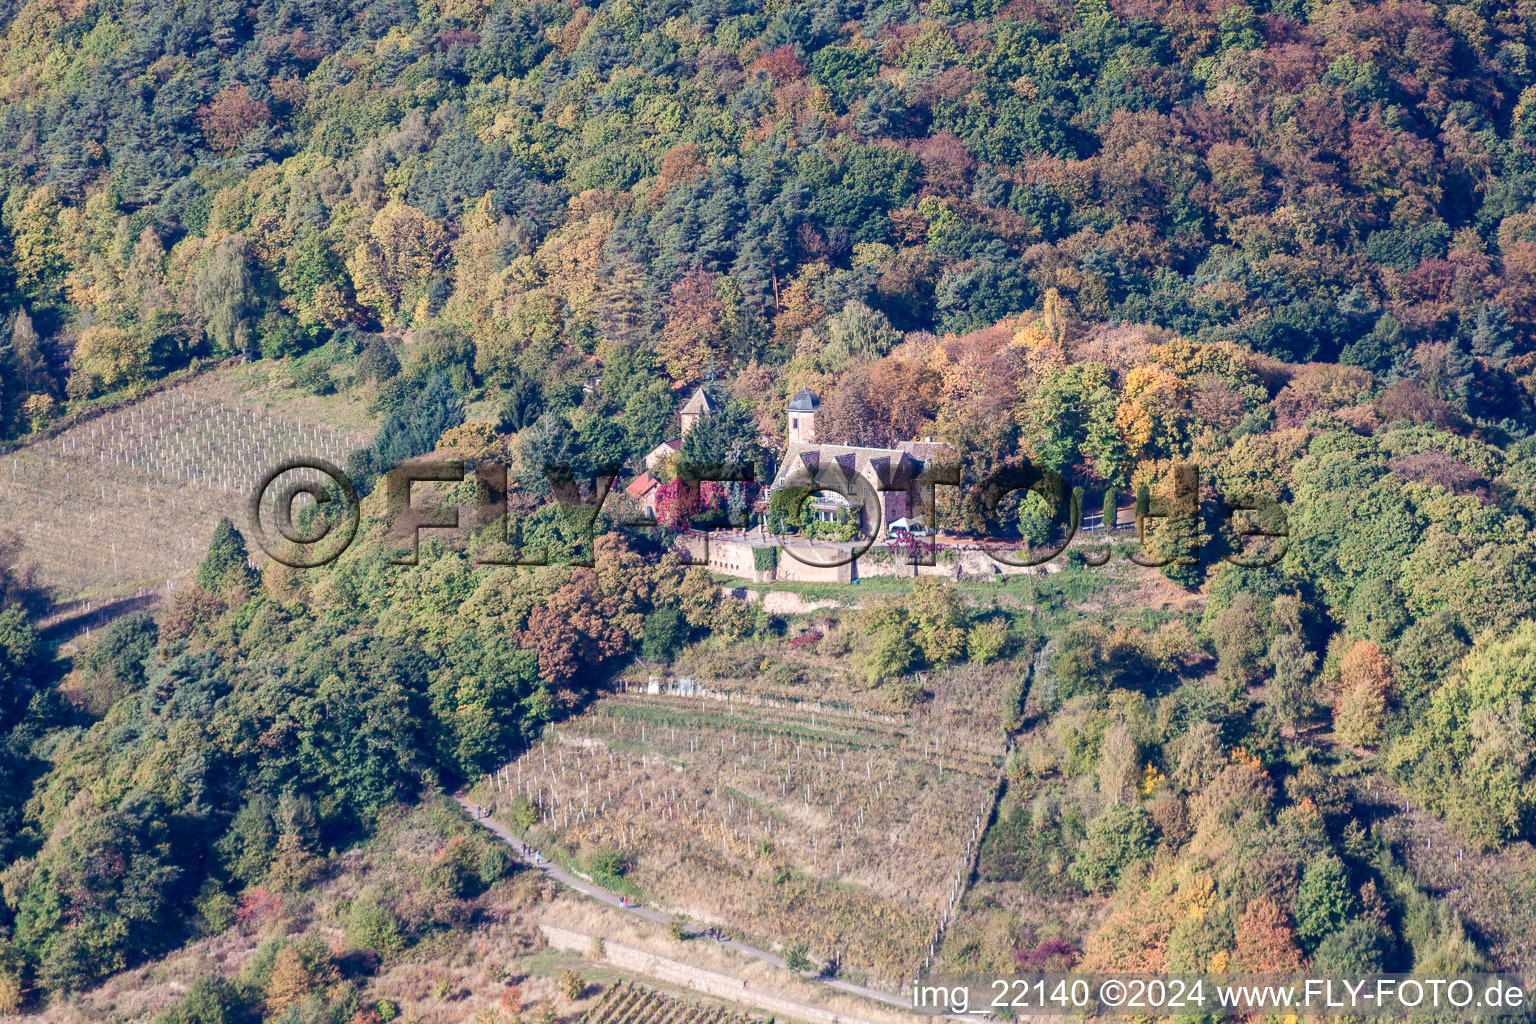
(1153, 416)
(479, 281)
(111, 356)
(10, 993)
(393, 265)
(293, 865)
(37, 240)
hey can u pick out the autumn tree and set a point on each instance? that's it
(1266, 940)
(393, 265)
(23, 369)
(1365, 687)
(781, 64)
(692, 335)
(38, 255)
(109, 358)
(574, 630)
(229, 117)
(291, 981)
(879, 405)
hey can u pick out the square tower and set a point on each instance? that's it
(802, 416)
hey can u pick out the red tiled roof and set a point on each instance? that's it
(640, 486)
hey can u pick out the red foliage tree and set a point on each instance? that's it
(512, 1000)
(678, 503)
(229, 117)
(574, 630)
(781, 64)
(257, 905)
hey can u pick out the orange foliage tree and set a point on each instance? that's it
(229, 117)
(1365, 689)
(1266, 940)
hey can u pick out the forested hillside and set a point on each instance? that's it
(678, 188)
(1292, 244)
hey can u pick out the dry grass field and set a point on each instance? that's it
(122, 506)
(784, 820)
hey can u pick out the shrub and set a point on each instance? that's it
(373, 926)
(902, 694)
(258, 905)
(733, 619)
(1033, 850)
(211, 1000)
(797, 959)
(889, 652)
(524, 813)
(606, 865)
(784, 507)
(663, 634)
(1118, 838)
(215, 908)
(1360, 947)
(512, 1000)
(986, 640)
(495, 864)
(118, 660)
(456, 869)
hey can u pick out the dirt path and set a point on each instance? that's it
(604, 896)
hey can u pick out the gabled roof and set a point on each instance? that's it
(640, 486)
(700, 404)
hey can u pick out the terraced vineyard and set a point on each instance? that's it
(847, 829)
(635, 1004)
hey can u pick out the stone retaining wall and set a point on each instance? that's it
(676, 972)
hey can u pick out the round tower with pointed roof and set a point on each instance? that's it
(802, 416)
